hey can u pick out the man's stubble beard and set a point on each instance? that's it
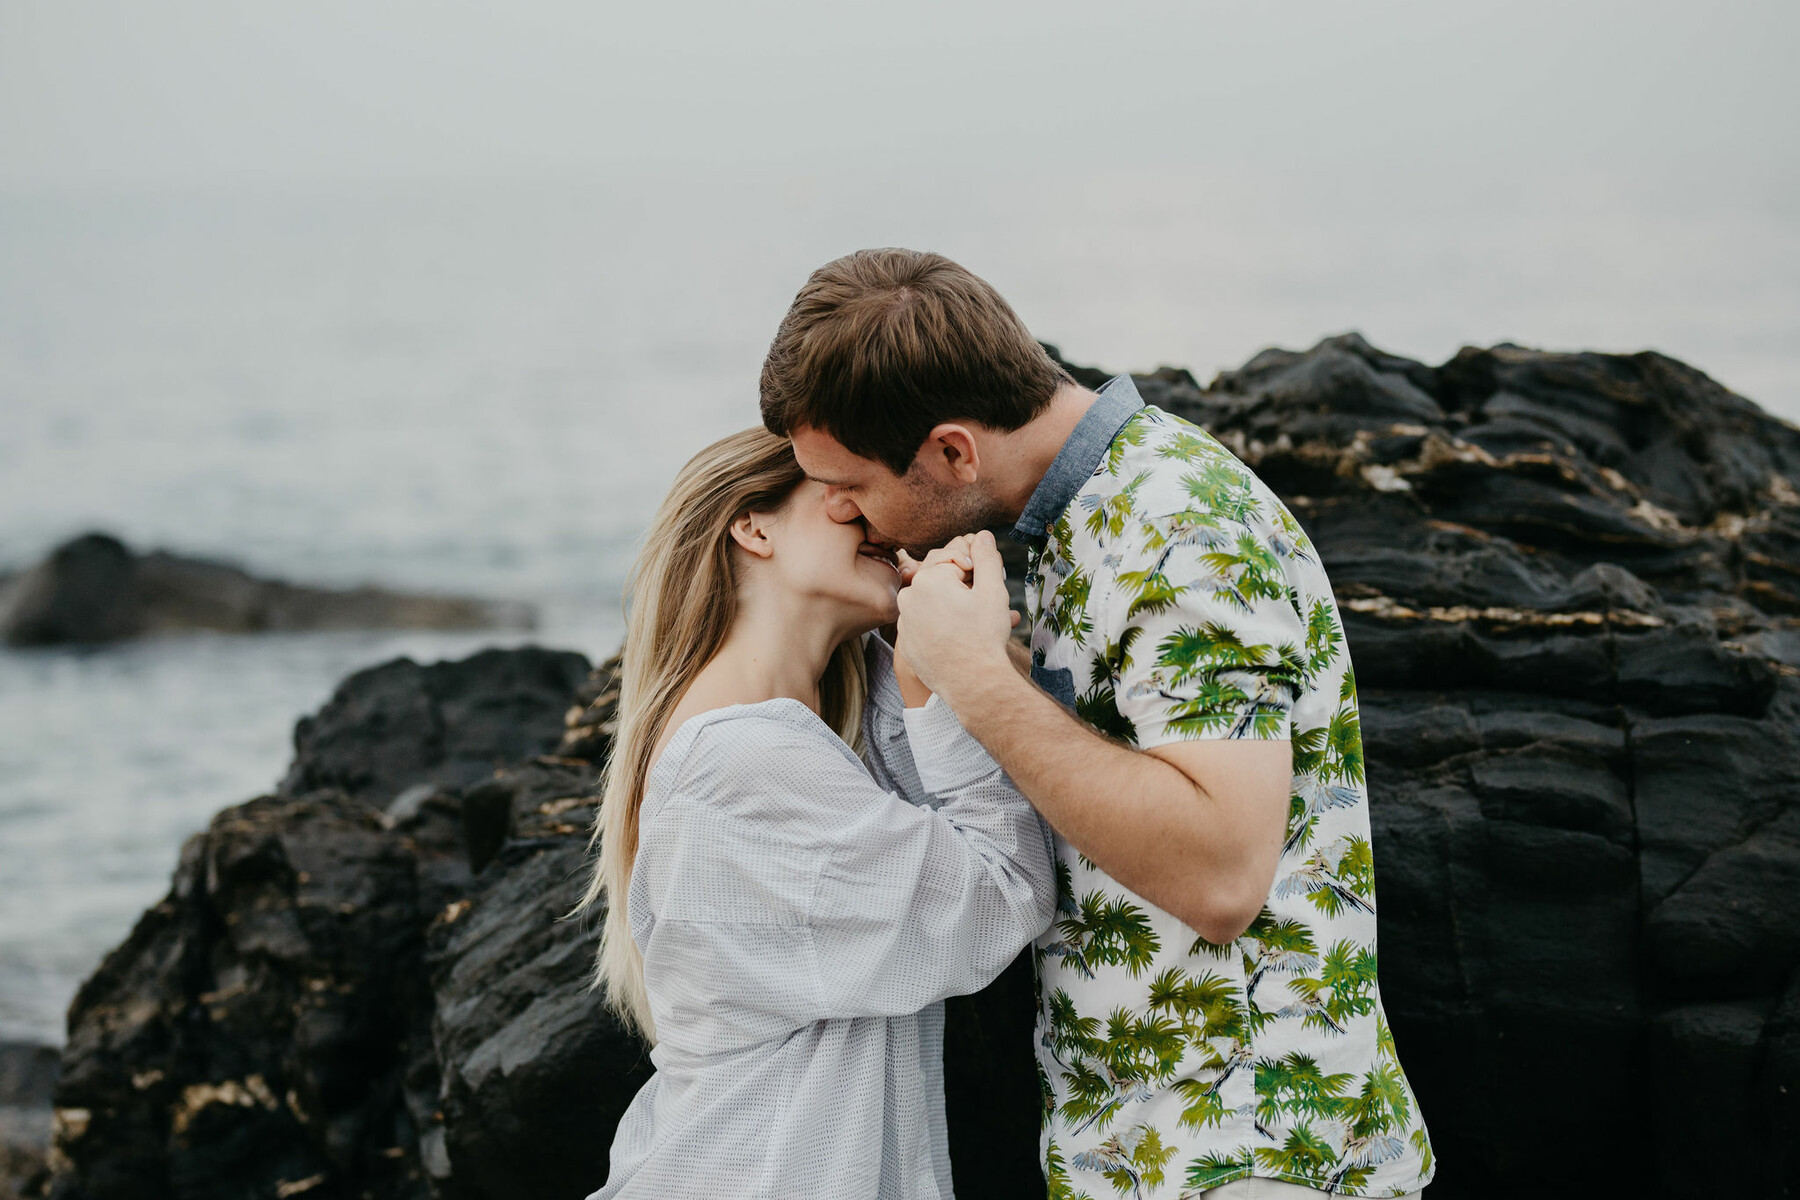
(944, 513)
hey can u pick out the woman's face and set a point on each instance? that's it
(818, 559)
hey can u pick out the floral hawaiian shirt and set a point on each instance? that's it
(1173, 596)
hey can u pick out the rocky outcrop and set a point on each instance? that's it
(1572, 590)
(94, 589)
(268, 1028)
(28, 1074)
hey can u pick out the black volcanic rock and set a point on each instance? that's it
(28, 1073)
(253, 1031)
(269, 1028)
(535, 1073)
(400, 724)
(94, 589)
(1571, 589)
(1571, 585)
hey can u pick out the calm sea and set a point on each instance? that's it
(485, 389)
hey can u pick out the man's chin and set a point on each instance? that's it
(921, 541)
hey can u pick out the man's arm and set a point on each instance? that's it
(1194, 827)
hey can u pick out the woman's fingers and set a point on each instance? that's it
(959, 550)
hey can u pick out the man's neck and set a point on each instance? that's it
(1031, 449)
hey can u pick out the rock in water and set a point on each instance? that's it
(1571, 585)
(93, 589)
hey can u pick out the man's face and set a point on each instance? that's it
(915, 510)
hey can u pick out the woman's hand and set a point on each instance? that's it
(959, 551)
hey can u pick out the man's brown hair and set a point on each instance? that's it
(882, 345)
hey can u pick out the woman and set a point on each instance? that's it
(785, 918)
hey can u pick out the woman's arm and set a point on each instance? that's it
(956, 891)
(787, 883)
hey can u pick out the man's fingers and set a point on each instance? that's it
(990, 568)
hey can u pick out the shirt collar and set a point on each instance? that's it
(1075, 463)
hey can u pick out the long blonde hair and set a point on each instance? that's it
(681, 602)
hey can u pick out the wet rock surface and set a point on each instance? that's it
(1571, 585)
(93, 588)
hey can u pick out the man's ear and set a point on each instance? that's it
(751, 532)
(950, 454)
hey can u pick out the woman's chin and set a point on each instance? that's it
(876, 616)
(880, 620)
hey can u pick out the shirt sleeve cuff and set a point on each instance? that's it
(946, 756)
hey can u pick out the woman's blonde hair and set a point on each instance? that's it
(681, 602)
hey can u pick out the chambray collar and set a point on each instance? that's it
(1075, 463)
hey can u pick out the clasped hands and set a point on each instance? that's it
(955, 620)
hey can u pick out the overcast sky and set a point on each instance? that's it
(121, 92)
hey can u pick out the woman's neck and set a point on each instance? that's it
(775, 649)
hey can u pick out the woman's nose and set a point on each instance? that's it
(841, 508)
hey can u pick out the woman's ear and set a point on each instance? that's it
(750, 531)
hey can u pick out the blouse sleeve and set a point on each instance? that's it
(789, 887)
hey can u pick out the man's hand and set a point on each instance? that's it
(954, 631)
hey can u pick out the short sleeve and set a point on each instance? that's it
(1206, 639)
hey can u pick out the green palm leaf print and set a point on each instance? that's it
(1178, 589)
(1211, 1170)
(1303, 1156)
(1109, 930)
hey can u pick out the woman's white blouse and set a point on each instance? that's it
(802, 915)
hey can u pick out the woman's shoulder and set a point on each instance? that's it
(733, 830)
(746, 754)
(768, 781)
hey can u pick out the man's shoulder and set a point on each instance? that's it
(1165, 477)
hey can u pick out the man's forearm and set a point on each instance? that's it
(1141, 820)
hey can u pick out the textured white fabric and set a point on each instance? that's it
(1257, 1188)
(802, 915)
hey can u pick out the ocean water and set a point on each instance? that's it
(485, 388)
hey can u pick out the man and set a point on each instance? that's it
(1209, 1018)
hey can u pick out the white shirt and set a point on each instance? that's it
(802, 916)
